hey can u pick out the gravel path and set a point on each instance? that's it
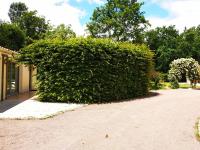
(163, 122)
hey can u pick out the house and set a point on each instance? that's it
(14, 78)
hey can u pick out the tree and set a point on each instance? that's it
(185, 66)
(34, 26)
(164, 56)
(16, 11)
(11, 36)
(61, 32)
(164, 42)
(190, 43)
(119, 20)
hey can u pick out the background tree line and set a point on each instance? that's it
(26, 26)
(116, 19)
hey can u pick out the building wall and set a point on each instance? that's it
(23, 79)
(34, 79)
(0, 74)
(4, 81)
(24, 75)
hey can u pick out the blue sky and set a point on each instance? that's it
(78, 12)
(150, 9)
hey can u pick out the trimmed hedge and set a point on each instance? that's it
(86, 70)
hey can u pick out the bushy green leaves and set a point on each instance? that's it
(89, 70)
(11, 36)
(185, 66)
(164, 41)
(61, 32)
(119, 20)
(16, 10)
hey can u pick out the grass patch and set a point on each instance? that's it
(196, 130)
(166, 85)
(186, 86)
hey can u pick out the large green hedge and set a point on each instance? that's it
(86, 70)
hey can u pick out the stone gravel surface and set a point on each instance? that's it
(162, 122)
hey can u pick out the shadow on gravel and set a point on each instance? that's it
(150, 94)
(196, 88)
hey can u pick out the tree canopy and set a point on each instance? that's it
(11, 36)
(119, 20)
(61, 32)
(16, 11)
(164, 42)
(190, 43)
(33, 25)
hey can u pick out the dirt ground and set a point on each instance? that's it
(162, 122)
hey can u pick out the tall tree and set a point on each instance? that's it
(16, 11)
(11, 36)
(61, 32)
(190, 43)
(119, 20)
(34, 26)
(164, 42)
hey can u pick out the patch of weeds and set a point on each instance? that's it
(197, 130)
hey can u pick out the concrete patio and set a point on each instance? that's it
(25, 106)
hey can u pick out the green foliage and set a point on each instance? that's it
(164, 41)
(156, 80)
(34, 26)
(188, 66)
(11, 36)
(174, 84)
(164, 77)
(16, 10)
(61, 32)
(119, 20)
(29, 22)
(189, 44)
(169, 45)
(89, 70)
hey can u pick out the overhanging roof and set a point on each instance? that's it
(7, 51)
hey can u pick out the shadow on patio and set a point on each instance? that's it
(12, 101)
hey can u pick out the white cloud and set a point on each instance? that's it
(96, 1)
(57, 11)
(182, 13)
(99, 2)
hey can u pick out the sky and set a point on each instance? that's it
(182, 13)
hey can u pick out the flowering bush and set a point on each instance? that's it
(187, 66)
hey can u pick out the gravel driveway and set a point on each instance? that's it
(162, 122)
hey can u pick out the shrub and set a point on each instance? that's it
(156, 79)
(188, 66)
(86, 70)
(164, 77)
(174, 84)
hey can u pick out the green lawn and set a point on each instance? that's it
(166, 85)
(186, 86)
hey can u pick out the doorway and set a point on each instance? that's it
(12, 79)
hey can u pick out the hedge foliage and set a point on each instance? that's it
(86, 70)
